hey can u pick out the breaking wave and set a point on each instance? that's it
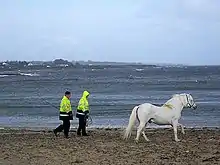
(29, 74)
(139, 70)
(18, 74)
(3, 75)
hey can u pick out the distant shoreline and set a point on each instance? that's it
(95, 63)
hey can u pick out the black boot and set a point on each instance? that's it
(78, 132)
(55, 132)
(58, 129)
(84, 131)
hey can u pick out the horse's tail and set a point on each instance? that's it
(131, 123)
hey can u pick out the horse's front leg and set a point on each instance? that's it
(175, 125)
(182, 128)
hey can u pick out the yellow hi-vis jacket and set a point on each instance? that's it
(65, 109)
(83, 105)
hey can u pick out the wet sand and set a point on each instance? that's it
(106, 147)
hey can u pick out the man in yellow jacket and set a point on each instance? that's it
(65, 115)
(82, 113)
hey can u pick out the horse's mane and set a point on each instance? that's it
(173, 96)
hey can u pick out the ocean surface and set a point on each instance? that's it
(115, 90)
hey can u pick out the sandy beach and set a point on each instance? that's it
(105, 146)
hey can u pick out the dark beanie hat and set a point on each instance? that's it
(67, 93)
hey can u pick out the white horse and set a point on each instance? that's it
(168, 114)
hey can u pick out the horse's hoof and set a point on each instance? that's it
(183, 133)
(136, 141)
(177, 140)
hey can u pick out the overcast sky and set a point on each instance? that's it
(150, 31)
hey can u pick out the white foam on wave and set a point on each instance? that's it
(158, 67)
(99, 69)
(135, 77)
(139, 70)
(4, 75)
(29, 74)
(175, 66)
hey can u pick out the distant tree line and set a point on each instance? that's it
(36, 64)
(57, 63)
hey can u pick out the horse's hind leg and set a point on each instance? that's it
(145, 137)
(139, 131)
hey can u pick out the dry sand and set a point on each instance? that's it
(22, 147)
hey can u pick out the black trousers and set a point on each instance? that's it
(82, 124)
(65, 126)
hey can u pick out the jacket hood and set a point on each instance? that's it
(86, 93)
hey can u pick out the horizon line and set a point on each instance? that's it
(87, 61)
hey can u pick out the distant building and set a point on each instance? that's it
(5, 64)
(63, 65)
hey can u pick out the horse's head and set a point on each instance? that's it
(189, 101)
